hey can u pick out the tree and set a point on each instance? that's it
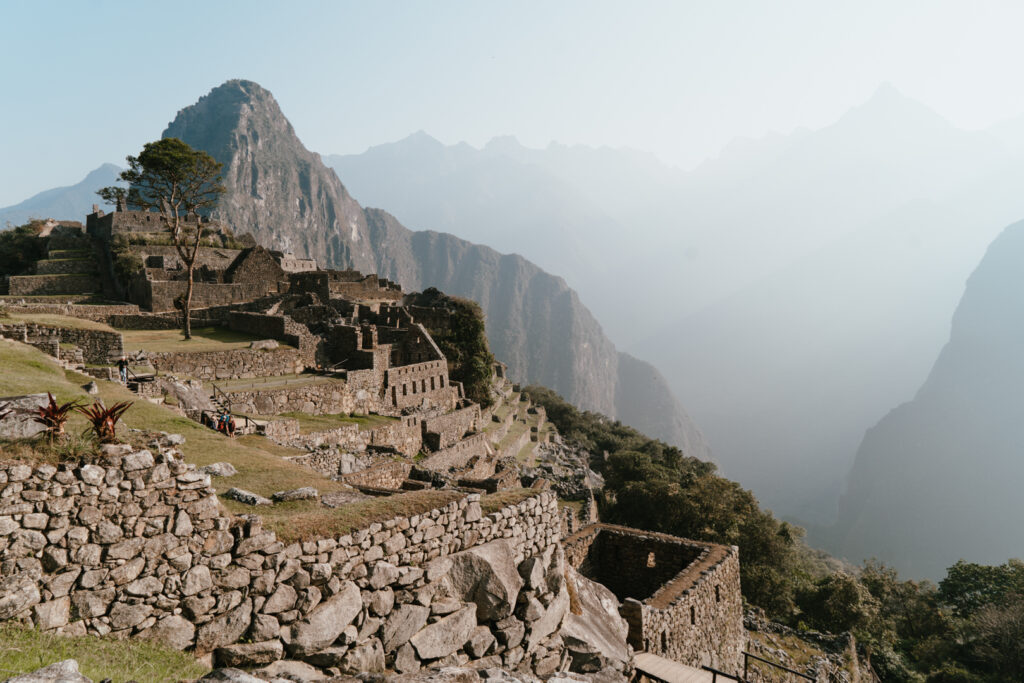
(181, 183)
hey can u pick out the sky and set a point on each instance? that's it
(89, 82)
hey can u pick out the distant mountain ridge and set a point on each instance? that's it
(285, 196)
(791, 289)
(938, 478)
(68, 203)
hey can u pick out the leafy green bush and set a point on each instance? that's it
(20, 248)
(651, 485)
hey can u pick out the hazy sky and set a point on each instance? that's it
(89, 82)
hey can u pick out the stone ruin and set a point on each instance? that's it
(138, 545)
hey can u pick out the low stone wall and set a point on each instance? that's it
(445, 430)
(138, 547)
(95, 312)
(512, 448)
(402, 437)
(322, 398)
(388, 475)
(500, 431)
(46, 285)
(230, 364)
(458, 456)
(681, 598)
(281, 430)
(159, 295)
(66, 266)
(96, 346)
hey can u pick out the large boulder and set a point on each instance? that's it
(225, 629)
(446, 635)
(596, 636)
(59, 672)
(19, 422)
(326, 622)
(173, 631)
(487, 575)
(249, 654)
(402, 624)
(17, 593)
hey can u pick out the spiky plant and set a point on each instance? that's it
(54, 416)
(104, 420)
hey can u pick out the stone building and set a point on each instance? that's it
(681, 598)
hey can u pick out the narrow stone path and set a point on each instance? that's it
(671, 672)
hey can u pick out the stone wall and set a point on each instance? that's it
(410, 385)
(446, 430)
(66, 266)
(96, 346)
(402, 437)
(471, 458)
(96, 313)
(138, 547)
(681, 598)
(229, 364)
(160, 295)
(388, 474)
(47, 285)
(327, 397)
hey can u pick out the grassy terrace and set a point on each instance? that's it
(26, 650)
(320, 423)
(493, 502)
(260, 464)
(203, 339)
(57, 321)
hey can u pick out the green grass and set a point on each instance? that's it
(203, 339)
(26, 650)
(320, 423)
(492, 502)
(306, 519)
(61, 254)
(525, 456)
(55, 275)
(57, 321)
(514, 432)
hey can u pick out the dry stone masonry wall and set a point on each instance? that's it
(137, 545)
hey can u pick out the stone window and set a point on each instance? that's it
(442, 381)
(432, 384)
(718, 594)
(664, 642)
(423, 385)
(693, 615)
(650, 559)
(405, 389)
(414, 386)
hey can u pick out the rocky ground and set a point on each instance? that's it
(297, 672)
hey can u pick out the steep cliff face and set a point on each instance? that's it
(939, 478)
(277, 189)
(285, 196)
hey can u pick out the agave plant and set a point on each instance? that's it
(53, 416)
(104, 420)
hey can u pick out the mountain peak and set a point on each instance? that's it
(890, 108)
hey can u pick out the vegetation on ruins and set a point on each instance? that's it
(182, 184)
(20, 248)
(968, 628)
(463, 343)
(54, 416)
(25, 649)
(104, 419)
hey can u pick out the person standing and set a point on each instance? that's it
(122, 369)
